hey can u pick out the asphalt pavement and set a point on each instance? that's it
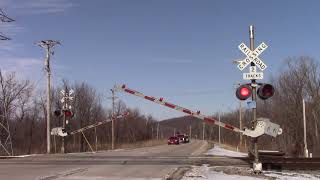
(157, 162)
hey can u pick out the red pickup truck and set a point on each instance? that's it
(173, 140)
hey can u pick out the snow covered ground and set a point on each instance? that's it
(219, 151)
(240, 173)
(205, 172)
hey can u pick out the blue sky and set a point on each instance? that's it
(181, 50)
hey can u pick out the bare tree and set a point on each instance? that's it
(12, 93)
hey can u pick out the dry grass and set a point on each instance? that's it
(141, 144)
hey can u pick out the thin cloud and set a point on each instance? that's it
(44, 6)
(37, 6)
(7, 47)
(171, 61)
(10, 30)
(20, 65)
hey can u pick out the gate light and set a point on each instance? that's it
(243, 92)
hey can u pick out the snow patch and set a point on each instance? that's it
(291, 175)
(237, 173)
(204, 172)
(218, 151)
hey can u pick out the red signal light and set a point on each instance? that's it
(265, 91)
(68, 113)
(243, 92)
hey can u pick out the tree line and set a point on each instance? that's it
(25, 110)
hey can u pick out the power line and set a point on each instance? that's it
(4, 18)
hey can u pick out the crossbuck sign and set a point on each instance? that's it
(66, 97)
(252, 56)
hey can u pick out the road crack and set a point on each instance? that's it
(64, 174)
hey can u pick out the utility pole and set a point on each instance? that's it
(240, 123)
(96, 138)
(203, 128)
(48, 45)
(219, 129)
(113, 98)
(306, 153)
(151, 131)
(254, 98)
(190, 132)
(158, 131)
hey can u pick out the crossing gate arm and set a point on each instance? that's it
(59, 131)
(197, 114)
(97, 124)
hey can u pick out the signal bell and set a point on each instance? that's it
(243, 92)
(265, 91)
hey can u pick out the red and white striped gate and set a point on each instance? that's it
(197, 114)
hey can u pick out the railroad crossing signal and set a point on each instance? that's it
(66, 107)
(252, 56)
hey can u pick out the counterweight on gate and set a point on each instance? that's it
(179, 108)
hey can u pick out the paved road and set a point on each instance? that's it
(158, 162)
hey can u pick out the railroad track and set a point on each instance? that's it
(288, 163)
(268, 162)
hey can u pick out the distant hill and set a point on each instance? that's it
(182, 125)
(181, 122)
